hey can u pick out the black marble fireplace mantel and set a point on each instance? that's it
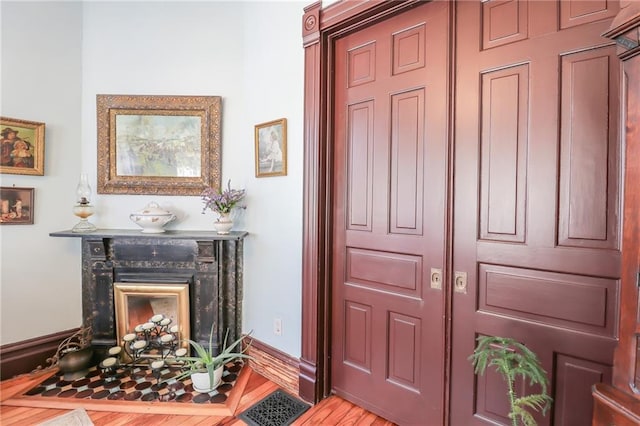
(211, 264)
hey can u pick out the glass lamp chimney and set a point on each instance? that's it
(83, 190)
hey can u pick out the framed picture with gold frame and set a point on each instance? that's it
(22, 147)
(271, 148)
(163, 145)
(136, 303)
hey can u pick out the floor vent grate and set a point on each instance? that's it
(277, 409)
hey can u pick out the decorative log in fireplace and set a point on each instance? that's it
(209, 263)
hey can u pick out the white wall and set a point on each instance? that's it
(40, 81)
(274, 83)
(250, 53)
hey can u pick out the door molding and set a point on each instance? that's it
(319, 28)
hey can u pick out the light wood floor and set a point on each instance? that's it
(331, 411)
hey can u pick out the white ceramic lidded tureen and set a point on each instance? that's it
(152, 218)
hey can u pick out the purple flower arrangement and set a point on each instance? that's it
(222, 202)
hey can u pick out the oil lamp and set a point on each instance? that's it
(83, 208)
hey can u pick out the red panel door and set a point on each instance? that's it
(536, 199)
(389, 209)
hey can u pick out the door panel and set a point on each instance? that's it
(389, 210)
(536, 199)
(503, 169)
(588, 163)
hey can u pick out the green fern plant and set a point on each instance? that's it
(512, 359)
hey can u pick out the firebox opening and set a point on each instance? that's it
(137, 303)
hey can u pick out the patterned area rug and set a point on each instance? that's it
(77, 417)
(277, 409)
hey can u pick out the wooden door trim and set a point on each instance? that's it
(319, 27)
(625, 354)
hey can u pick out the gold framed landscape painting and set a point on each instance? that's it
(22, 147)
(164, 145)
(271, 148)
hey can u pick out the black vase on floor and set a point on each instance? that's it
(75, 364)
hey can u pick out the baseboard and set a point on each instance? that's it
(275, 365)
(25, 356)
(308, 382)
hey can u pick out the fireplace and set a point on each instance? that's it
(208, 265)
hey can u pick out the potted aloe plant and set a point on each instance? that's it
(204, 367)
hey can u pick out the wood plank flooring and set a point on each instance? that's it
(332, 411)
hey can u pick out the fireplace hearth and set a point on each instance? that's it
(208, 263)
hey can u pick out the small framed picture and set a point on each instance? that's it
(271, 148)
(16, 206)
(22, 145)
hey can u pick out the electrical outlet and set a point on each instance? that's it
(277, 326)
